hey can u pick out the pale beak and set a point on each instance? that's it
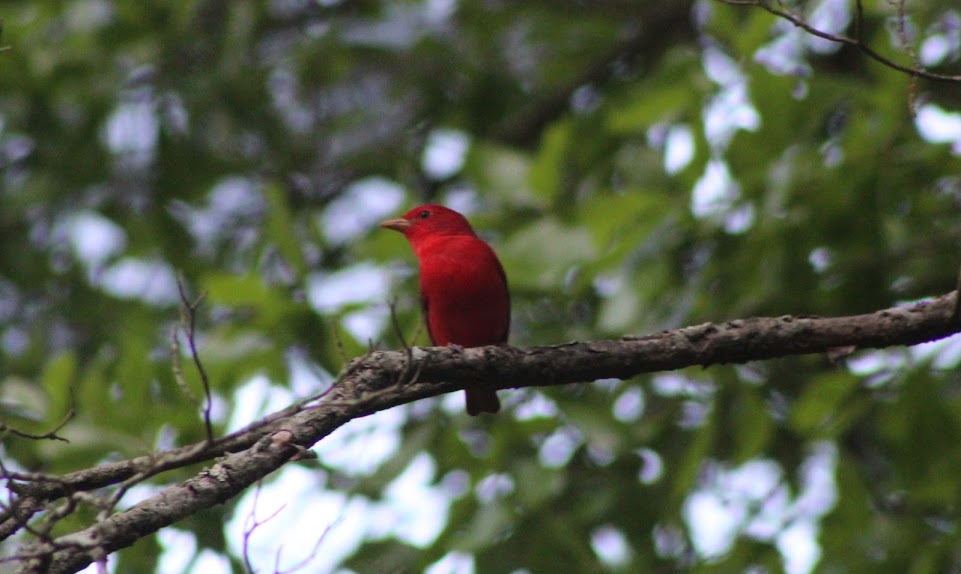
(399, 224)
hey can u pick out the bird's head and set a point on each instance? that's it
(429, 221)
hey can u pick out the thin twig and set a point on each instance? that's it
(189, 320)
(49, 435)
(395, 324)
(252, 523)
(856, 42)
(405, 375)
(909, 48)
(858, 20)
(313, 551)
(52, 435)
(339, 343)
(178, 368)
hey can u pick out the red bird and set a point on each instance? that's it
(463, 288)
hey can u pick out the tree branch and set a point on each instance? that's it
(370, 384)
(915, 70)
(49, 435)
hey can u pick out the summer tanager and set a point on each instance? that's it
(463, 289)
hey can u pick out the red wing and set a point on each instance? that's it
(424, 306)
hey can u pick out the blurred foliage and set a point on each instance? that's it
(638, 166)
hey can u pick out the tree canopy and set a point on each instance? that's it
(194, 291)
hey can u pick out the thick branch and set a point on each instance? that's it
(384, 379)
(443, 370)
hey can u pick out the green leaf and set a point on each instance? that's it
(535, 485)
(247, 292)
(552, 162)
(382, 556)
(542, 254)
(502, 172)
(281, 229)
(483, 528)
(816, 410)
(695, 453)
(59, 376)
(647, 106)
(753, 427)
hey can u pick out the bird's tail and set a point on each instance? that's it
(482, 401)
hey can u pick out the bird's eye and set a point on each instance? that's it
(424, 214)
